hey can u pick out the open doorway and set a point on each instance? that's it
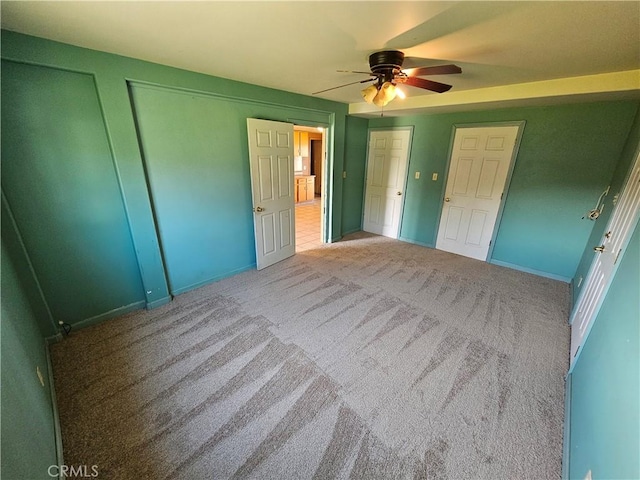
(309, 169)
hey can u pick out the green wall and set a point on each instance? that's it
(28, 445)
(605, 383)
(75, 177)
(617, 183)
(60, 183)
(196, 154)
(567, 157)
(355, 165)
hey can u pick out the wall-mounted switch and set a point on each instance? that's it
(344, 174)
(434, 177)
(417, 175)
(40, 377)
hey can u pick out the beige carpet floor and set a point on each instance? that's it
(365, 359)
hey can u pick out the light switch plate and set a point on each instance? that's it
(417, 175)
(434, 177)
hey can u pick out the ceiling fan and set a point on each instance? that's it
(386, 72)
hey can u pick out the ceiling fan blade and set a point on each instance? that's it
(451, 19)
(346, 85)
(435, 70)
(427, 84)
(353, 71)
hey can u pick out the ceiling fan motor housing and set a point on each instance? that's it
(386, 62)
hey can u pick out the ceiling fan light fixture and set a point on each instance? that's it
(400, 93)
(385, 95)
(369, 93)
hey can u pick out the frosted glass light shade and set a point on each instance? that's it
(369, 93)
(385, 95)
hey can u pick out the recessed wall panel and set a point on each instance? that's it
(487, 179)
(496, 143)
(374, 209)
(286, 228)
(469, 142)
(452, 228)
(268, 222)
(476, 227)
(263, 138)
(285, 184)
(463, 173)
(265, 172)
(283, 140)
(378, 171)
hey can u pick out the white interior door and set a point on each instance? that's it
(480, 161)
(617, 235)
(271, 163)
(386, 176)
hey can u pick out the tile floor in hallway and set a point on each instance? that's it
(308, 225)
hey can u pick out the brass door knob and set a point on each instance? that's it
(399, 193)
(447, 199)
(599, 249)
(258, 209)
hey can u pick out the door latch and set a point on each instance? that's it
(258, 209)
(599, 249)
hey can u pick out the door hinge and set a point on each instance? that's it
(501, 195)
(490, 242)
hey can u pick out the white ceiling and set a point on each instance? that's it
(298, 46)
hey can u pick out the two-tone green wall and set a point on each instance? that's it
(355, 169)
(129, 181)
(604, 404)
(28, 428)
(567, 157)
(617, 183)
(605, 383)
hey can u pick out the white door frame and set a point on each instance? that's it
(507, 183)
(598, 300)
(326, 196)
(408, 128)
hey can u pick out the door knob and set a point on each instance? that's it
(399, 193)
(258, 209)
(447, 199)
(599, 249)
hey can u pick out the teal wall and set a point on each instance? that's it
(567, 157)
(196, 154)
(355, 166)
(617, 183)
(28, 445)
(60, 183)
(605, 383)
(74, 176)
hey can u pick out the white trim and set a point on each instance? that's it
(532, 271)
